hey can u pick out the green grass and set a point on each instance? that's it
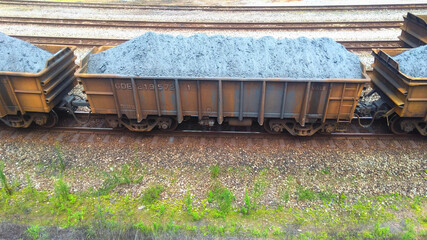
(249, 205)
(215, 171)
(59, 164)
(35, 232)
(252, 198)
(3, 180)
(326, 170)
(222, 198)
(62, 199)
(151, 194)
(325, 215)
(305, 194)
(195, 215)
(113, 179)
(118, 213)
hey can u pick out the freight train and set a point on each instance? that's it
(300, 107)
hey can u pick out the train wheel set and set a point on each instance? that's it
(300, 107)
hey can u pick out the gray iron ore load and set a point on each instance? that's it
(200, 55)
(20, 56)
(413, 62)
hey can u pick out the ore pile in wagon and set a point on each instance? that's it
(413, 62)
(20, 56)
(223, 56)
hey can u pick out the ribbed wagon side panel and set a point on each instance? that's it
(189, 99)
(414, 30)
(209, 98)
(231, 97)
(275, 92)
(300, 100)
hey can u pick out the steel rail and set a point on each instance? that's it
(214, 8)
(120, 131)
(228, 133)
(91, 42)
(68, 126)
(201, 25)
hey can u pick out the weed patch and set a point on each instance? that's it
(215, 171)
(249, 204)
(332, 216)
(222, 198)
(3, 179)
(251, 200)
(60, 161)
(152, 194)
(381, 232)
(190, 209)
(35, 232)
(326, 170)
(304, 194)
(113, 213)
(117, 178)
(62, 197)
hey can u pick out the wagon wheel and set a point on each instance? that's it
(395, 126)
(52, 120)
(172, 127)
(268, 129)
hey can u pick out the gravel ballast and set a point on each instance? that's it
(20, 56)
(413, 62)
(222, 56)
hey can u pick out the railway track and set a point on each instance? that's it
(103, 135)
(202, 25)
(213, 8)
(91, 42)
(97, 124)
(96, 131)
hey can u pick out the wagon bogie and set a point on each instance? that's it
(400, 125)
(31, 97)
(145, 125)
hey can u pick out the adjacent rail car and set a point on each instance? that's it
(406, 96)
(31, 97)
(299, 106)
(414, 30)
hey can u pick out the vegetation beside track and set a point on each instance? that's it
(108, 212)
